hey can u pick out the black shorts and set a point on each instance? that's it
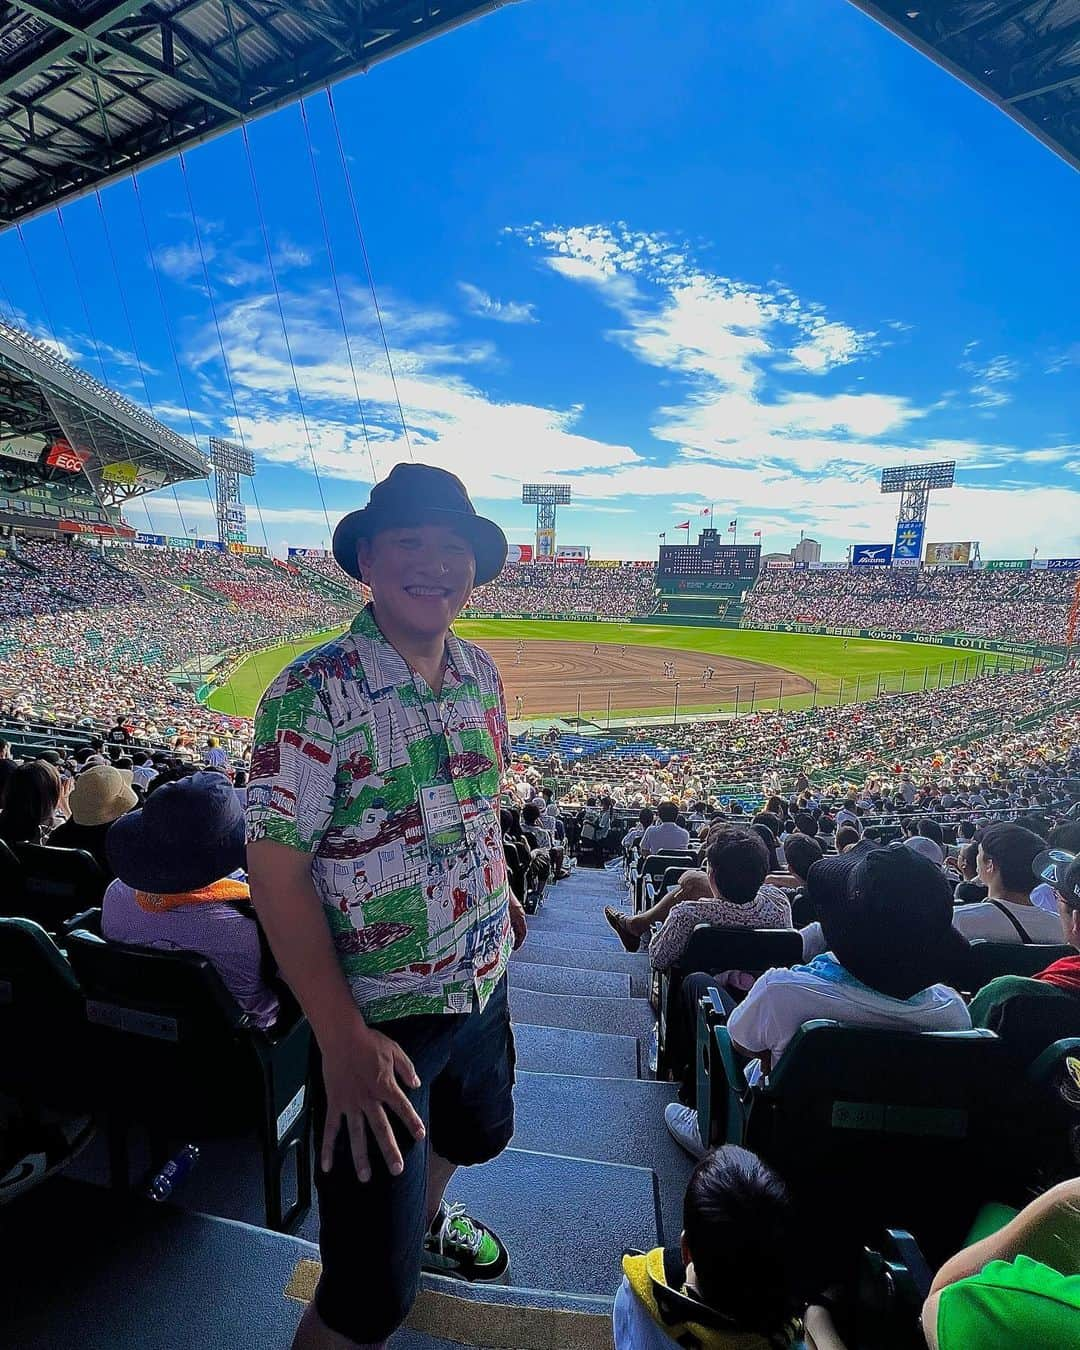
(371, 1234)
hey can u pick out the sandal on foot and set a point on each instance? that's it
(630, 941)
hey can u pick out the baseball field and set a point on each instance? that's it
(609, 671)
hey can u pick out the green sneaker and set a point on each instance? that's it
(463, 1249)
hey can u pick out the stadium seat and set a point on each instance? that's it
(652, 869)
(42, 1018)
(985, 961)
(168, 1048)
(1029, 1023)
(712, 951)
(58, 883)
(872, 1128)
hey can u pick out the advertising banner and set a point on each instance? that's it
(1008, 565)
(150, 478)
(871, 555)
(909, 538)
(944, 555)
(827, 567)
(123, 471)
(156, 540)
(571, 553)
(961, 641)
(1058, 564)
(26, 448)
(214, 545)
(780, 565)
(62, 456)
(309, 553)
(178, 541)
(519, 553)
(545, 545)
(248, 549)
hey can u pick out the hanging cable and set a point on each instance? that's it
(170, 334)
(284, 325)
(134, 342)
(337, 286)
(217, 328)
(59, 347)
(81, 294)
(367, 264)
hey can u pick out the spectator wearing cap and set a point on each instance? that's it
(101, 795)
(1006, 855)
(178, 861)
(1065, 837)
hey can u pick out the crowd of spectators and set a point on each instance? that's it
(609, 590)
(1026, 606)
(895, 741)
(86, 638)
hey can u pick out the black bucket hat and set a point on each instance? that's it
(886, 914)
(420, 494)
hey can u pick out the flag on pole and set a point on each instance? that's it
(663, 534)
(757, 534)
(731, 526)
(706, 510)
(683, 525)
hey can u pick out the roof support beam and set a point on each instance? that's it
(140, 60)
(59, 51)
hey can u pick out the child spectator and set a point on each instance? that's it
(733, 1281)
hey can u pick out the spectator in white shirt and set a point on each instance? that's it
(215, 757)
(1006, 853)
(886, 918)
(665, 836)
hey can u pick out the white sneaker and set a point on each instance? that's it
(682, 1123)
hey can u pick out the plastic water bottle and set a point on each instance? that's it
(173, 1173)
(654, 1048)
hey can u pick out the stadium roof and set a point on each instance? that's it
(57, 422)
(1023, 55)
(92, 89)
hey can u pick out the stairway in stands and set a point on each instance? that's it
(591, 1171)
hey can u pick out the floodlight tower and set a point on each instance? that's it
(230, 462)
(545, 497)
(914, 485)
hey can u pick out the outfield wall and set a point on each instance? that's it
(1048, 651)
(966, 642)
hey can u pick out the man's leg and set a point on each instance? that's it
(314, 1334)
(439, 1173)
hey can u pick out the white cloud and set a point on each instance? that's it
(485, 306)
(181, 261)
(989, 378)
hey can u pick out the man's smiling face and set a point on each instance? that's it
(420, 575)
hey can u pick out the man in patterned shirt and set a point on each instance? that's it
(377, 868)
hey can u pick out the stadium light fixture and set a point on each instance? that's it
(928, 476)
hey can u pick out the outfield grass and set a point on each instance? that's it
(844, 669)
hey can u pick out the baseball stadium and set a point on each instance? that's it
(656, 951)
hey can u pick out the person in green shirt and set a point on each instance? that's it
(1019, 1287)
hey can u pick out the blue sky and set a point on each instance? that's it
(674, 255)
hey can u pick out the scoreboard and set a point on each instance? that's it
(710, 558)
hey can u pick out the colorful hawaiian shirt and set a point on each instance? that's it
(348, 740)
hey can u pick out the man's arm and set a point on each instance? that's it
(363, 1069)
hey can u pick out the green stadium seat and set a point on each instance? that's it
(985, 961)
(711, 951)
(42, 1019)
(169, 1049)
(872, 1128)
(58, 883)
